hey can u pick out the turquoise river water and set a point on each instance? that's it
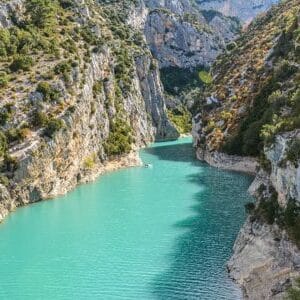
(164, 232)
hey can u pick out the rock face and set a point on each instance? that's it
(285, 176)
(10, 9)
(180, 36)
(152, 94)
(228, 162)
(189, 34)
(264, 262)
(244, 10)
(76, 154)
(94, 101)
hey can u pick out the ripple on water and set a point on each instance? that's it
(144, 233)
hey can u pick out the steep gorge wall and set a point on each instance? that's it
(265, 260)
(96, 109)
(180, 36)
(247, 120)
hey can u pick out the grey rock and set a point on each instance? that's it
(11, 12)
(264, 261)
(244, 10)
(179, 35)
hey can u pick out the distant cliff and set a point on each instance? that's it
(243, 10)
(179, 35)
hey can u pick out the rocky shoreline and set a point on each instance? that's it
(265, 262)
(228, 162)
(97, 106)
(125, 161)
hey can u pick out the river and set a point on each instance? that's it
(163, 232)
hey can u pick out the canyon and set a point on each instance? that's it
(82, 91)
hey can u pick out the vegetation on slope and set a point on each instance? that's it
(39, 56)
(256, 85)
(293, 292)
(253, 97)
(181, 118)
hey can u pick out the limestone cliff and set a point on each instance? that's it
(68, 113)
(190, 34)
(266, 259)
(248, 120)
(244, 10)
(179, 35)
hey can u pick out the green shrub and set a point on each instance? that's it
(88, 36)
(284, 70)
(24, 133)
(64, 69)
(21, 62)
(3, 79)
(48, 91)
(153, 65)
(97, 88)
(3, 144)
(182, 120)
(265, 163)
(43, 13)
(268, 209)
(12, 135)
(249, 207)
(66, 4)
(293, 152)
(89, 162)
(291, 212)
(291, 221)
(39, 118)
(120, 138)
(4, 180)
(17, 135)
(4, 117)
(231, 46)
(10, 164)
(293, 293)
(205, 77)
(53, 125)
